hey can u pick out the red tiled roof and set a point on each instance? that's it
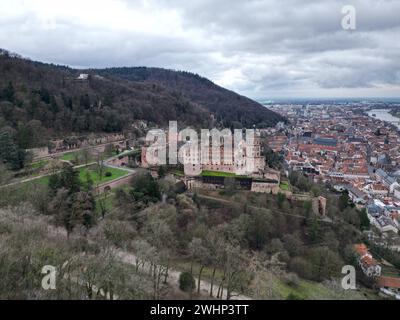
(361, 249)
(379, 187)
(389, 282)
(369, 261)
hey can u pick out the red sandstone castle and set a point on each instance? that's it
(243, 159)
(221, 155)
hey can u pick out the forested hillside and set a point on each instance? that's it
(152, 232)
(40, 100)
(230, 108)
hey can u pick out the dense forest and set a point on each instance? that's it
(50, 99)
(231, 109)
(154, 240)
(40, 100)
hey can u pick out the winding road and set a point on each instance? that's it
(173, 279)
(104, 162)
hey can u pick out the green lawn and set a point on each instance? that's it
(109, 201)
(42, 181)
(39, 164)
(70, 156)
(73, 155)
(179, 173)
(217, 174)
(279, 289)
(310, 290)
(284, 186)
(116, 173)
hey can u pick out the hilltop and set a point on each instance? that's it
(230, 108)
(53, 101)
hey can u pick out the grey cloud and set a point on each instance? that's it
(259, 48)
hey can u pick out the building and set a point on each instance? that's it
(244, 159)
(356, 195)
(327, 142)
(83, 76)
(319, 206)
(374, 211)
(385, 178)
(268, 184)
(379, 189)
(368, 264)
(390, 286)
(385, 224)
(397, 193)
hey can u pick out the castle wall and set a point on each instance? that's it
(264, 187)
(39, 152)
(319, 206)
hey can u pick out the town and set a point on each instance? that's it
(351, 148)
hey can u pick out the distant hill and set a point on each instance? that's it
(230, 108)
(39, 100)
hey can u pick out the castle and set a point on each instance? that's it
(244, 159)
(220, 153)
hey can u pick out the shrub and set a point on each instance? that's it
(275, 246)
(108, 174)
(293, 296)
(186, 282)
(301, 267)
(291, 279)
(283, 256)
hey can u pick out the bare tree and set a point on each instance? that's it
(5, 175)
(199, 254)
(234, 267)
(100, 166)
(111, 277)
(85, 155)
(143, 253)
(102, 201)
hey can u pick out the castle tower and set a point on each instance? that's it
(255, 162)
(192, 162)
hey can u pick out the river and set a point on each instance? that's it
(384, 115)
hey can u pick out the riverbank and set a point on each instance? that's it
(385, 116)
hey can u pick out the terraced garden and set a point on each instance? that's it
(284, 186)
(94, 175)
(207, 173)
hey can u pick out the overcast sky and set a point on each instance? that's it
(263, 49)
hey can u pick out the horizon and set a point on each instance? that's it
(261, 100)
